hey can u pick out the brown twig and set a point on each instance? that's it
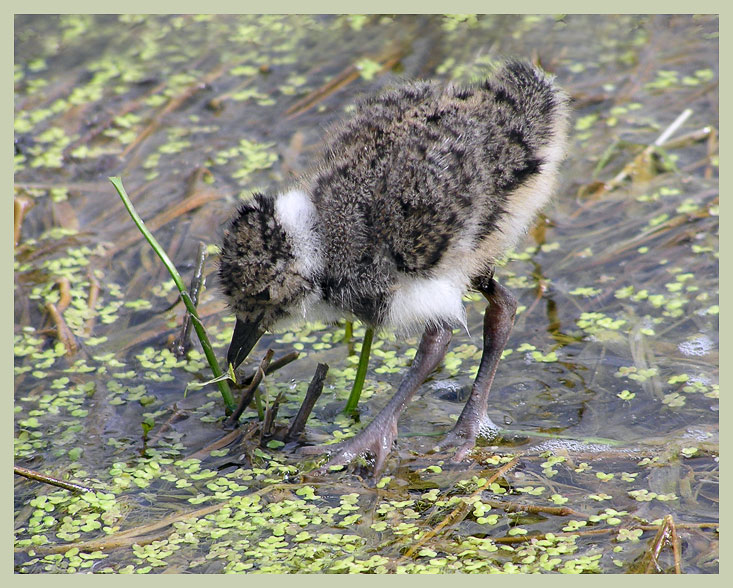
(249, 392)
(649, 234)
(712, 149)
(629, 168)
(594, 532)
(91, 302)
(143, 533)
(194, 201)
(46, 479)
(99, 128)
(558, 511)
(69, 186)
(458, 513)
(666, 533)
(273, 367)
(131, 536)
(64, 293)
(223, 442)
(270, 416)
(676, 548)
(174, 103)
(529, 538)
(691, 137)
(347, 75)
(63, 333)
(177, 415)
(21, 205)
(311, 397)
(183, 343)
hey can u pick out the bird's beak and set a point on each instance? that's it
(244, 339)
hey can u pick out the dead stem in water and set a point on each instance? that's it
(458, 513)
(387, 61)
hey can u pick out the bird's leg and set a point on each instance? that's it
(498, 321)
(378, 436)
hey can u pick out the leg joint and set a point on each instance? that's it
(484, 283)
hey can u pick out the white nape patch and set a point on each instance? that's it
(419, 301)
(296, 213)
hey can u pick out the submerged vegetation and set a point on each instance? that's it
(607, 390)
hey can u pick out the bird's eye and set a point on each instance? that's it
(264, 295)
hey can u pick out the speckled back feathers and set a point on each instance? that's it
(418, 185)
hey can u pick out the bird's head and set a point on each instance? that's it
(260, 273)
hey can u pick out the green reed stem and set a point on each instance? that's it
(348, 331)
(361, 370)
(226, 393)
(258, 405)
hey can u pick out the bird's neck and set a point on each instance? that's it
(297, 215)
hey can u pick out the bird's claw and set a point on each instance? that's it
(462, 445)
(463, 436)
(374, 440)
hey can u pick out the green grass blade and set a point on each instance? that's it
(223, 385)
(361, 370)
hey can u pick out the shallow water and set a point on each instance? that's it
(614, 354)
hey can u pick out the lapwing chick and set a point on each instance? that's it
(411, 203)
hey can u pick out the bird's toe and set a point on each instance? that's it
(463, 436)
(373, 443)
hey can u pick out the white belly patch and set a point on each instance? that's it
(419, 301)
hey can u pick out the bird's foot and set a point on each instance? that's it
(375, 440)
(463, 436)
